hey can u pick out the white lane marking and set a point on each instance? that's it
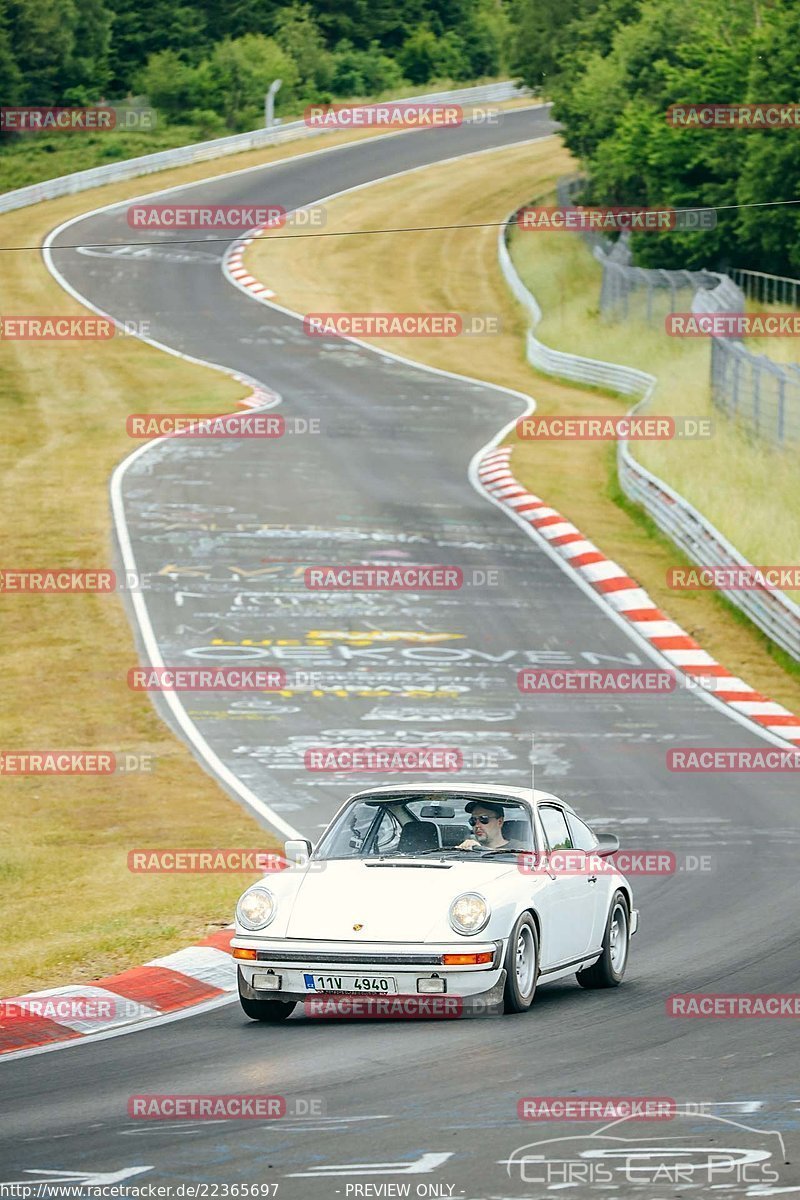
(172, 699)
(99, 1178)
(422, 1166)
(770, 1191)
(608, 602)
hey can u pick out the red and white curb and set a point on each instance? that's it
(189, 977)
(234, 262)
(630, 601)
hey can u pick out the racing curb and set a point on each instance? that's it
(630, 601)
(195, 975)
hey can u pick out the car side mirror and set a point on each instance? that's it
(297, 851)
(608, 843)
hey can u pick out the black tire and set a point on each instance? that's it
(518, 994)
(604, 973)
(271, 1011)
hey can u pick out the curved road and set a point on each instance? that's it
(222, 533)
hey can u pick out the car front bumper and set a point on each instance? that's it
(408, 964)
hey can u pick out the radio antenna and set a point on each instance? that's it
(533, 788)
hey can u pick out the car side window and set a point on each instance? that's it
(582, 836)
(555, 827)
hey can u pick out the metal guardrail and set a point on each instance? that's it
(749, 388)
(772, 611)
(181, 156)
(767, 289)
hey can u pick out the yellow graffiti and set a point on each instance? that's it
(327, 637)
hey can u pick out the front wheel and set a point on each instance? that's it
(271, 1011)
(609, 969)
(522, 965)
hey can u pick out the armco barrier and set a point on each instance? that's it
(772, 611)
(181, 156)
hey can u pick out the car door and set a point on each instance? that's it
(574, 895)
(583, 838)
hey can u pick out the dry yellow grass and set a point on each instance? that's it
(456, 270)
(70, 907)
(746, 487)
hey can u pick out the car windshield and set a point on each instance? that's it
(415, 824)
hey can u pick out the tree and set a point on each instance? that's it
(487, 39)
(363, 72)
(419, 56)
(43, 41)
(298, 34)
(235, 77)
(769, 238)
(171, 85)
(10, 73)
(88, 65)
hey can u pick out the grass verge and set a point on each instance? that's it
(747, 488)
(455, 269)
(69, 908)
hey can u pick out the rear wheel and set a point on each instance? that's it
(522, 965)
(609, 969)
(271, 1011)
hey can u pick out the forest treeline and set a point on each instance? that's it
(612, 68)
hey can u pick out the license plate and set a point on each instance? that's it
(381, 984)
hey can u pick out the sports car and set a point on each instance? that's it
(473, 894)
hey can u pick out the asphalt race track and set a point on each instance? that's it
(221, 532)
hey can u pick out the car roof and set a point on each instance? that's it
(487, 790)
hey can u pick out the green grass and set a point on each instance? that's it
(745, 487)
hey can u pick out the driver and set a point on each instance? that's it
(487, 824)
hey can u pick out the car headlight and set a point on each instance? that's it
(256, 908)
(469, 913)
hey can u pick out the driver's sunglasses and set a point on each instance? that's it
(484, 820)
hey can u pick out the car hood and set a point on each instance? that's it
(397, 900)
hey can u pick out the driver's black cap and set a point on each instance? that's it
(497, 809)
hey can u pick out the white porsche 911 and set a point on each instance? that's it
(471, 892)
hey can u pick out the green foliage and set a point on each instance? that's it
(210, 62)
(236, 75)
(615, 69)
(363, 72)
(298, 34)
(419, 56)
